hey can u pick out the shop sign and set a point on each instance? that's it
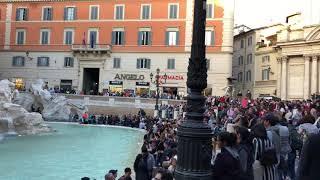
(172, 77)
(129, 77)
(115, 82)
(142, 84)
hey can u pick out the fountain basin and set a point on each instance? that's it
(72, 152)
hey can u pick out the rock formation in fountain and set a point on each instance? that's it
(52, 107)
(14, 119)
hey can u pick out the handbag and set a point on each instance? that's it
(258, 169)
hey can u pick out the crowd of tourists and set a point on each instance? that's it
(253, 139)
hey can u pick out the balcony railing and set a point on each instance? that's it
(83, 49)
(89, 47)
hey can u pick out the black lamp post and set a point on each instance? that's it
(194, 136)
(157, 83)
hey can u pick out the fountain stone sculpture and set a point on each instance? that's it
(52, 107)
(14, 119)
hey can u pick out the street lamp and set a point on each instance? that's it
(194, 136)
(157, 82)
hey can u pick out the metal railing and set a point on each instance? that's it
(90, 47)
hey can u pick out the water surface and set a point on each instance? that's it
(70, 153)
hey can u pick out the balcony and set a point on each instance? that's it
(87, 49)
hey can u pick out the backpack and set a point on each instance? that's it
(295, 139)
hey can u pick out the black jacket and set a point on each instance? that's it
(310, 158)
(227, 166)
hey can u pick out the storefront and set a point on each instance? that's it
(142, 89)
(115, 86)
(170, 90)
(65, 85)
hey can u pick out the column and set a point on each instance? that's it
(314, 73)
(279, 77)
(284, 78)
(306, 85)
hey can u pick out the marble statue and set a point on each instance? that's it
(52, 107)
(14, 119)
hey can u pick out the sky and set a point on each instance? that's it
(256, 13)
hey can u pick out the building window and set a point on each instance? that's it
(116, 63)
(240, 60)
(21, 14)
(171, 64)
(248, 76)
(144, 38)
(172, 38)
(20, 36)
(145, 11)
(68, 37)
(43, 61)
(250, 41)
(240, 77)
(265, 59)
(117, 37)
(265, 74)
(47, 14)
(209, 38)
(18, 61)
(70, 13)
(44, 36)
(68, 62)
(209, 10)
(173, 11)
(119, 12)
(208, 64)
(242, 43)
(143, 63)
(249, 59)
(94, 12)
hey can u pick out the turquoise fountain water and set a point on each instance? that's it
(70, 153)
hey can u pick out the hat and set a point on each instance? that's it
(113, 171)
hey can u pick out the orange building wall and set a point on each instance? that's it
(159, 9)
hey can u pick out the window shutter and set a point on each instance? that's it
(122, 37)
(173, 63)
(26, 14)
(38, 61)
(17, 14)
(71, 62)
(138, 63)
(149, 38)
(212, 37)
(50, 14)
(148, 12)
(14, 59)
(65, 12)
(139, 38)
(75, 13)
(177, 38)
(65, 61)
(22, 59)
(47, 61)
(113, 37)
(167, 38)
(148, 63)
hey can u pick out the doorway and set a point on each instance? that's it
(90, 81)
